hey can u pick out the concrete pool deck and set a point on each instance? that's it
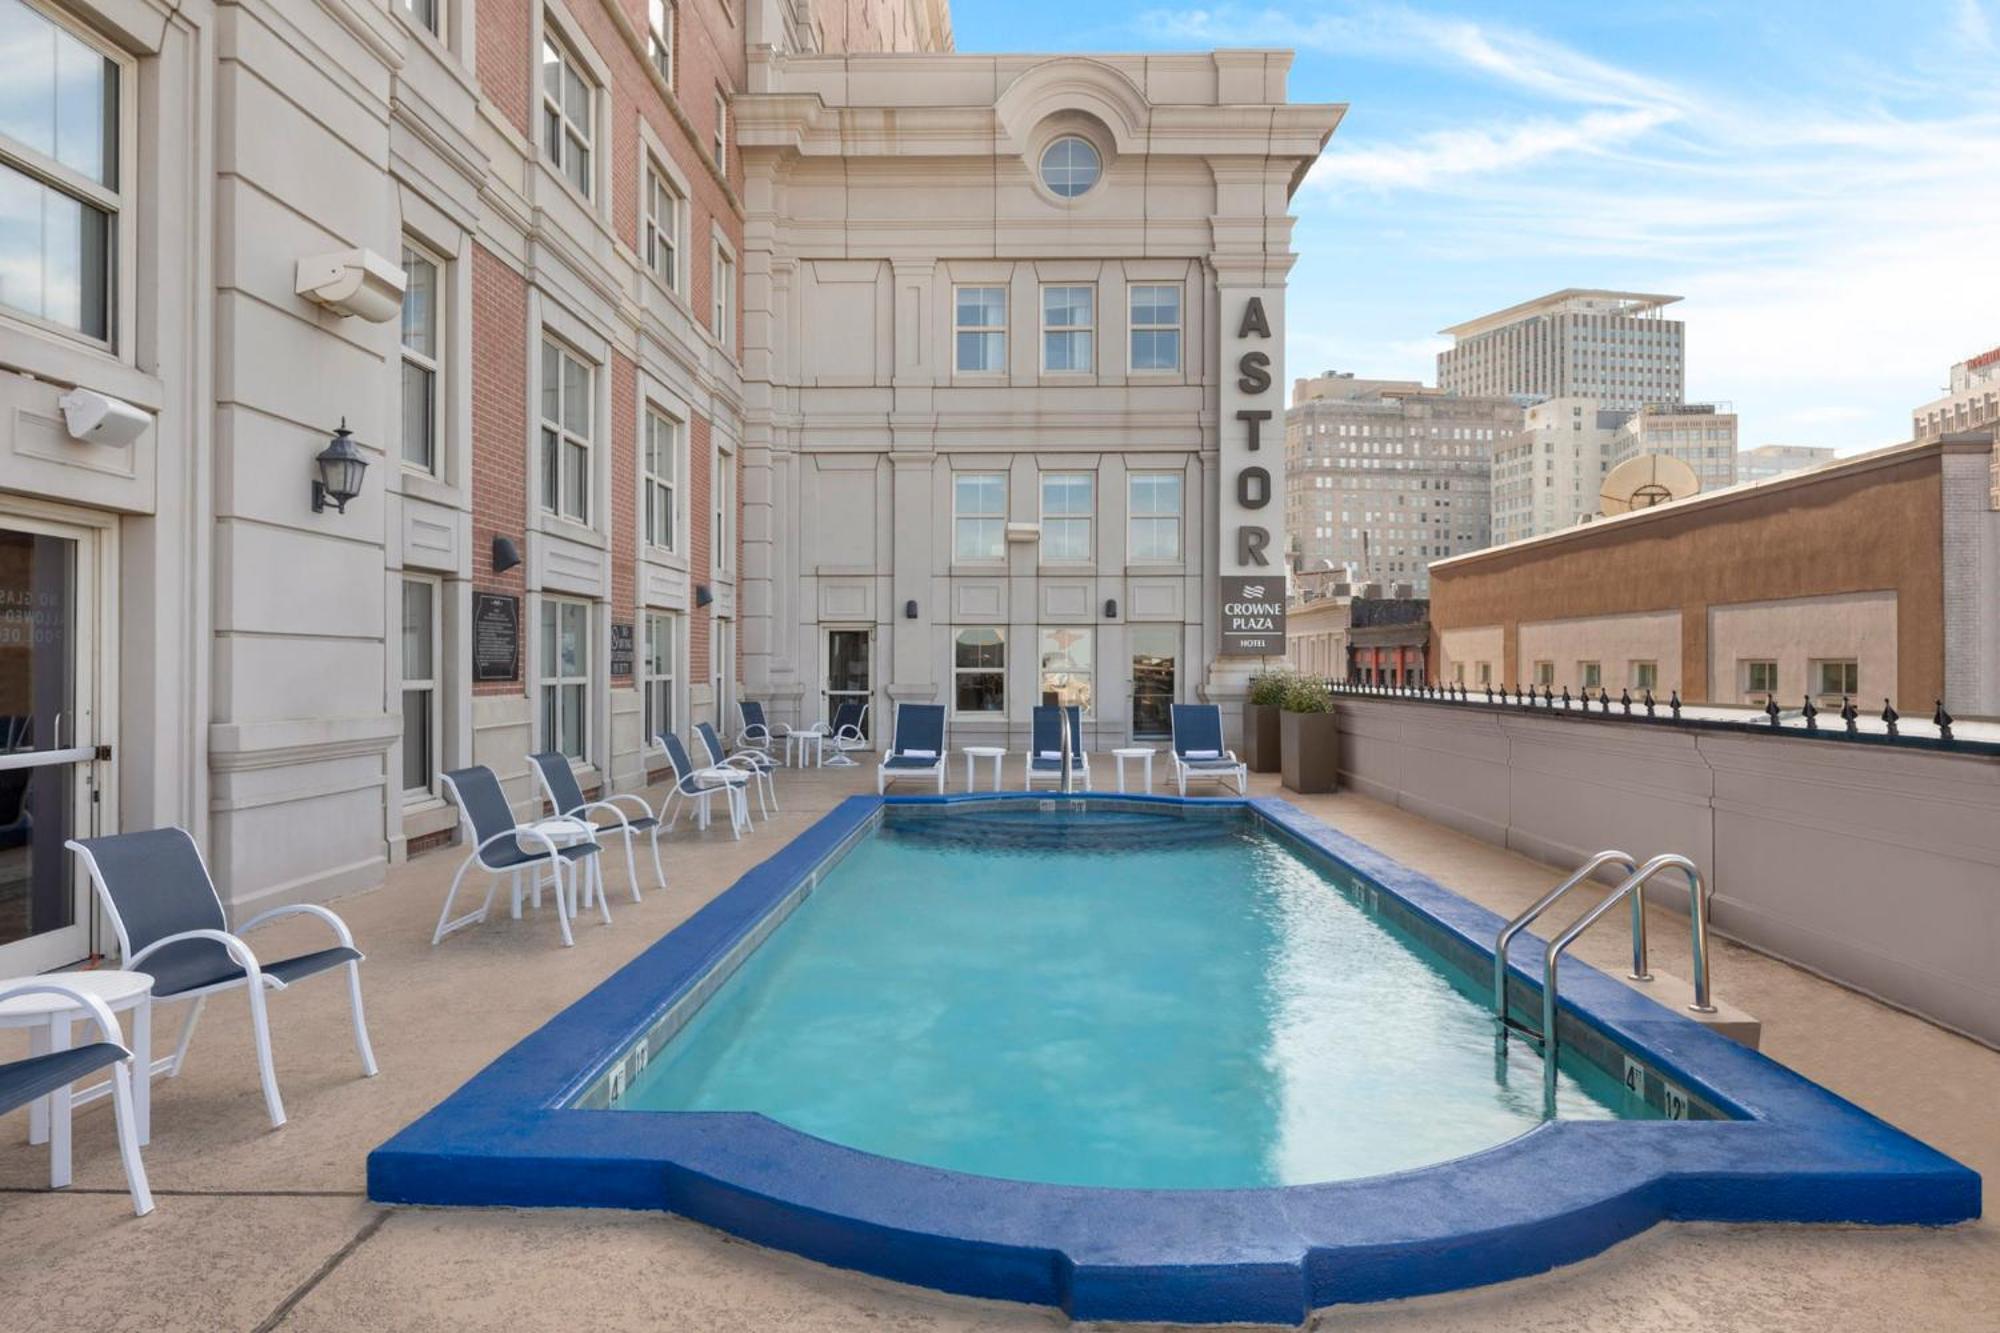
(270, 1229)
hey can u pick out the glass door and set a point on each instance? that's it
(1155, 649)
(48, 739)
(847, 678)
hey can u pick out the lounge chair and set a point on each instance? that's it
(559, 785)
(170, 924)
(1044, 759)
(502, 846)
(917, 750)
(761, 767)
(23, 1081)
(844, 733)
(701, 785)
(1199, 752)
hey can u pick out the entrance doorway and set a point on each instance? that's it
(52, 632)
(847, 678)
(1155, 653)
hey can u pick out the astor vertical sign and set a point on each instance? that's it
(1252, 557)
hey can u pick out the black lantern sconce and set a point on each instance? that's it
(505, 554)
(910, 609)
(702, 595)
(341, 466)
(1111, 608)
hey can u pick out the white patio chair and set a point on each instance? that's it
(501, 846)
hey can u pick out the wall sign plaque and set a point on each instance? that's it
(496, 637)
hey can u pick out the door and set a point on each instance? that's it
(847, 678)
(50, 691)
(1155, 649)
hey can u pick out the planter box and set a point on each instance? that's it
(1260, 737)
(1311, 746)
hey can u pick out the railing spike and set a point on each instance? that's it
(1942, 720)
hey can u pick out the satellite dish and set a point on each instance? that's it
(1645, 481)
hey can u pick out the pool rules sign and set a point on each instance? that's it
(1253, 464)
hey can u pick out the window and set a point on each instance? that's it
(568, 121)
(1069, 322)
(662, 227)
(565, 676)
(419, 686)
(979, 517)
(1156, 328)
(1066, 514)
(1591, 674)
(1545, 673)
(1067, 655)
(662, 480)
(722, 486)
(1070, 166)
(1486, 674)
(719, 146)
(979, 671)
(425, 12)
(722, 318)
(420, 361)
(660, 47)
(979, 327)
(566, 408)
(1837, 677)
(1155, 516)
(1760, 680)
(1645, 675)
(59, 175)
(657, 672)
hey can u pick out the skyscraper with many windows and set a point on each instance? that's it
(1611, 347)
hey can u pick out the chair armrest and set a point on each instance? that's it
(639, 801)
(517, 833)
(725, 777)
(741, 763)
(579, 816)
(100, 1012)
(301, 909)
(238, 951)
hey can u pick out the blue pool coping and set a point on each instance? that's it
(1786, 1149)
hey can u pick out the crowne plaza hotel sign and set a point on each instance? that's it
(1252, 610)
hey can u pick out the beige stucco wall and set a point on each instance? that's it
(1469, 648)
(1613, 642)
(1798, 632)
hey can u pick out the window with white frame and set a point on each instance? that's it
(422, 405)
(1068, 667)
(426, 13)
(1590, 674)
(1069, 327)
(722, 486)
(61, 191)
(664, 210)
(722, 318)
(663, 452)
(659, 671)
(978, 516)
(1760, 679)
(979, 328)
(567, 393)
(565, 682)
(1836, 677)
(719, 146)
(660, 16)
(1067, 507)
(1155, 499)
(420, 713)
(569, 113)
(979, 671)
(1645, 675)
(1156, 327)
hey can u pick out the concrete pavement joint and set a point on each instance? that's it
(320, 1274)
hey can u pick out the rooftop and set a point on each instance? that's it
(1569, 300)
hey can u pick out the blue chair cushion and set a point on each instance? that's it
(638, 824)
(508, 855)
(193, 964)
(910, 761)
(39, 1075)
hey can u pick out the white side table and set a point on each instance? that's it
(49, 1018)
(563, 832)
(1144, 754)
(974, 753)
(798, 744)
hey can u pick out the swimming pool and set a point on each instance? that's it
(1135, 999)
(1085, 1052)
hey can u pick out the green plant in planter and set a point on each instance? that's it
(1270, 687)
(1305, 694)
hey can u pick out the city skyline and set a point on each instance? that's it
(1811, 181)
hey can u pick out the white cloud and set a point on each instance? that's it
(1435, 159)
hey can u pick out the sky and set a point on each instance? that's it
(1819, 181)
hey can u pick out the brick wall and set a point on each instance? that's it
(499, 427)
(505, 64)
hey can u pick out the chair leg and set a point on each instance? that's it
(658, 869)
(187, 1034)
(446, 924)
(771, 785)
(603, 890)
(367, 1052)
(128, 1138)
(632, 867)
(260, 1030)
(564, 898)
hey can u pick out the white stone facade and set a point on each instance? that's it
(1614, 347)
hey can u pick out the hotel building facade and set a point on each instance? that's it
(1612, 347)
(653, 372)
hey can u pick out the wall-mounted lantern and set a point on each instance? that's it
(341, 466)
(702, 596)
(1111, 608)
(506, 555)
(910, 609)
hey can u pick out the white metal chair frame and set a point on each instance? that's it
(621, 828)
(763, 737)
(254, 980)
(705, 785)
(552, 860)
(843, 738)
(122, 1073)
(760, 768)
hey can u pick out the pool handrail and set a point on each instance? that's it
(1548, 900)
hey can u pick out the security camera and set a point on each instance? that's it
(96, 419)
(354, 282)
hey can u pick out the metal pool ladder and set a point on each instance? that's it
(1632, 886)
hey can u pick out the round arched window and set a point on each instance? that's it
(1070, 166)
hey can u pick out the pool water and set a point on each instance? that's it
(1133, 1000)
